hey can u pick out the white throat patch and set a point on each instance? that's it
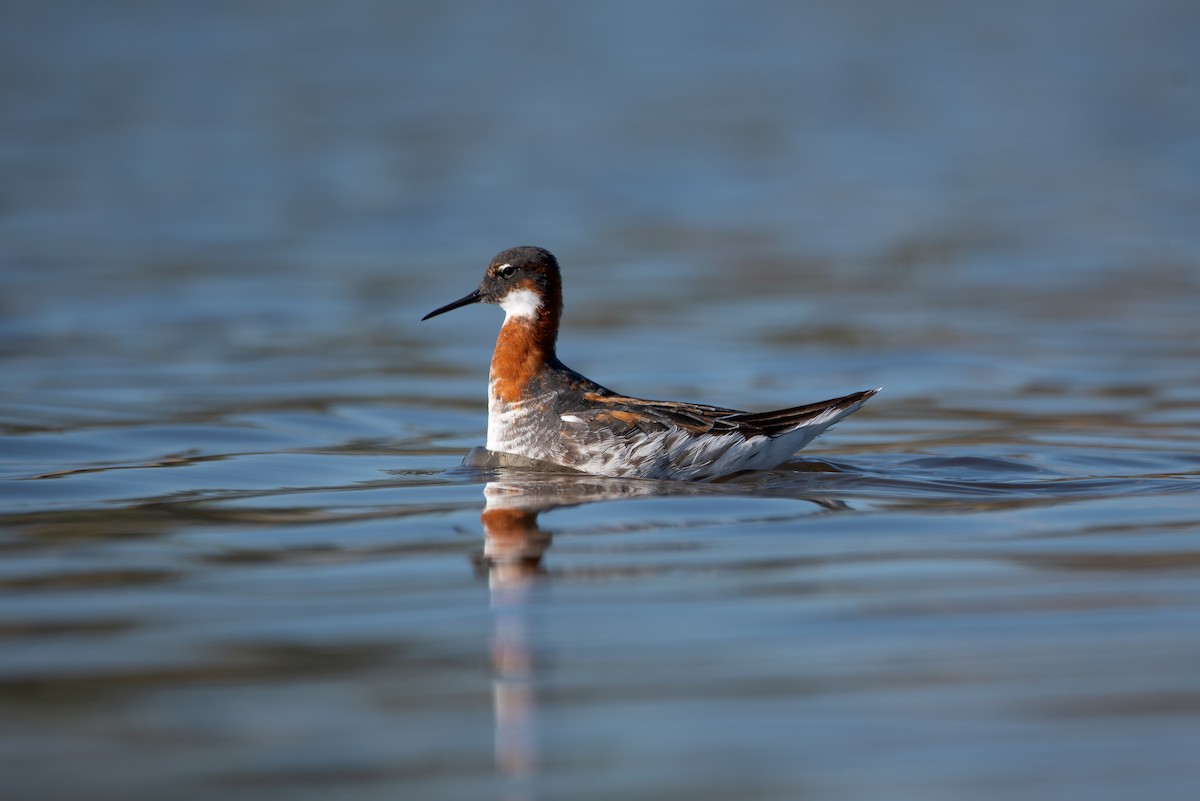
(521, 303)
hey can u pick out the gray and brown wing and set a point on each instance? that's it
(623, 415)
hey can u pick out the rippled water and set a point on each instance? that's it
(243, 555)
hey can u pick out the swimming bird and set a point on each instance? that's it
(541, 409)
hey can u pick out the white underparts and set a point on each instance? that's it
(521, 304)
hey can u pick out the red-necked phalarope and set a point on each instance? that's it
(541, 409)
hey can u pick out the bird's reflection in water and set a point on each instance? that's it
(513, 548)
(512, 553)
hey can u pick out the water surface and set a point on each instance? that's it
(242, 555)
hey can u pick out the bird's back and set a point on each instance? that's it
(572, 421)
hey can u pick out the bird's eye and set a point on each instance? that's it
(508, 271)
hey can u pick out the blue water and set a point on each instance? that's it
(247, 550)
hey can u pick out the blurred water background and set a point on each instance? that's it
(242, 557)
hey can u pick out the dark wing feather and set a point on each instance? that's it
(621, 415)
(776, 422)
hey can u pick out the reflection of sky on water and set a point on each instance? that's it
(415, 129)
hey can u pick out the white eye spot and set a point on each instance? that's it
(506, 270)
(521, 303)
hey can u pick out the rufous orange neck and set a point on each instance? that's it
(525, 346)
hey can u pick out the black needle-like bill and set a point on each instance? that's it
(474, 297)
